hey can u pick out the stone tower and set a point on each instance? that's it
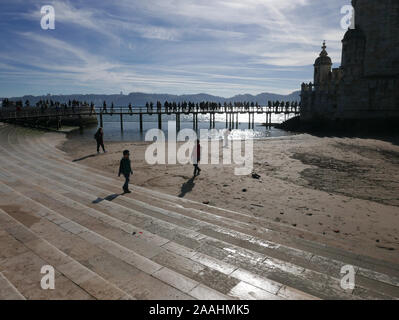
(366, 86)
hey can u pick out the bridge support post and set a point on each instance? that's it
(141, 122)
(237, 121)
(101, 120)
(249, 121)
(177, 122)
(121, 116)
(159, 121)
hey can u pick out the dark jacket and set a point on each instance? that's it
(198, 152)
(196, 155)
(99, 136)
(125, 167)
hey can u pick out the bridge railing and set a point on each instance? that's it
(40, 112)
(149, 110)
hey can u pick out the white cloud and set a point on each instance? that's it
(175, 45)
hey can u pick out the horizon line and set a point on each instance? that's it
(145, 93)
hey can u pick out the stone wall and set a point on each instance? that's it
(379, 20)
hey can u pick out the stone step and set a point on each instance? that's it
(41, 196)
(159, 272)
(152, 194)
(275, 263)
(69, 267)
(69, 173)
(8, 291)
(240, 286)
(85, 250)
(22, 266)
(286, 252)
(316, 249)
(314, 258)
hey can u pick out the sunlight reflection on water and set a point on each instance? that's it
(131, 132)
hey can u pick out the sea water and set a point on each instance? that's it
(131, 127)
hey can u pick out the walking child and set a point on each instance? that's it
(125, 169)
(99, 136)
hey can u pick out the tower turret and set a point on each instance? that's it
(322, 67)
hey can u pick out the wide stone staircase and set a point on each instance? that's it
(149, 245)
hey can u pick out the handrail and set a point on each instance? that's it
(39, 112)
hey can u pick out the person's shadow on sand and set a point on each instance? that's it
(111, 197)
(187, 187)
(84, 158)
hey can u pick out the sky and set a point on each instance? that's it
(220, 47)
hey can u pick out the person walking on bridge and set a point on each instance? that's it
(99, 136)
(125, 168)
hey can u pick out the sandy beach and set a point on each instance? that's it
(339, 191)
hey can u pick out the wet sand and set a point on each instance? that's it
(339, 190)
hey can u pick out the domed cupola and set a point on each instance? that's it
(322, 67)
(323, 59)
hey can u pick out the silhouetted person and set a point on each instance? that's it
(196, 157)
(125, 169)
(99, 136)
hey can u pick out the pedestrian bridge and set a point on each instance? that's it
(32, 114)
